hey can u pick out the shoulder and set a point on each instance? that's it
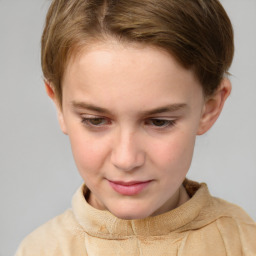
(236, 227)
(231, 214)
(212, 208)
(229, 226)
(220, 227)
(225, 208)
(46, 240)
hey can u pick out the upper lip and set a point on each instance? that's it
(128, 183)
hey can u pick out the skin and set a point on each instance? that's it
(132, 113)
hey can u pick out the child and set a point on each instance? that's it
(134, 82)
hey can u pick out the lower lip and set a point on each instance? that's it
(130, 190)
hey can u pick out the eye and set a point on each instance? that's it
(95, 121)
(160, 123)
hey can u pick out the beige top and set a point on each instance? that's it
(204, 225)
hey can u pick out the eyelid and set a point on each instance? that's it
(87, 118)
(163, 118)
(91, 116)
(169, 122)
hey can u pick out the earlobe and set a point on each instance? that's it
(50, 92)
(62, 121)
(213, 106)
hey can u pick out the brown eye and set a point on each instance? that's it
(159, 122)
(96, 121)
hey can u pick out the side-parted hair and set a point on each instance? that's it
(198, 33)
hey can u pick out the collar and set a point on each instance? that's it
(103, 224)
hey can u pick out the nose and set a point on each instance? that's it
(127, 154)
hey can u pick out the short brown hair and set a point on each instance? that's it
(198, 33)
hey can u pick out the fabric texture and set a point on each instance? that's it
(204, 225)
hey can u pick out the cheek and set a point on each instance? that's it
(175, 154)
(89, 153)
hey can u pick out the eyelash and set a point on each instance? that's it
(167, 123)
(87, 121)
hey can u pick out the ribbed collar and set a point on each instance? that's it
(103, 224)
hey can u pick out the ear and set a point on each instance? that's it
(213, 106)
(51, 93)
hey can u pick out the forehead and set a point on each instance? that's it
(115, 71)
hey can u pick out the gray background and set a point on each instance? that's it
(37, 174)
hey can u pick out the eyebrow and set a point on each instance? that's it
(168, 108)
(87, 106)
(159, 110)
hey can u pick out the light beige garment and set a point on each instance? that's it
(202, 226)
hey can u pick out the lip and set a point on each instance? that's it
(130, 188)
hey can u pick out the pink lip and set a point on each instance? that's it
(129, 188)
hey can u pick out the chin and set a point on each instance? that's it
(130, 214)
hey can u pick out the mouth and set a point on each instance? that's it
(130, 188)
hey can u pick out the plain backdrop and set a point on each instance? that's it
(37, 174)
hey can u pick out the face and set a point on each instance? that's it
(132, 114)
